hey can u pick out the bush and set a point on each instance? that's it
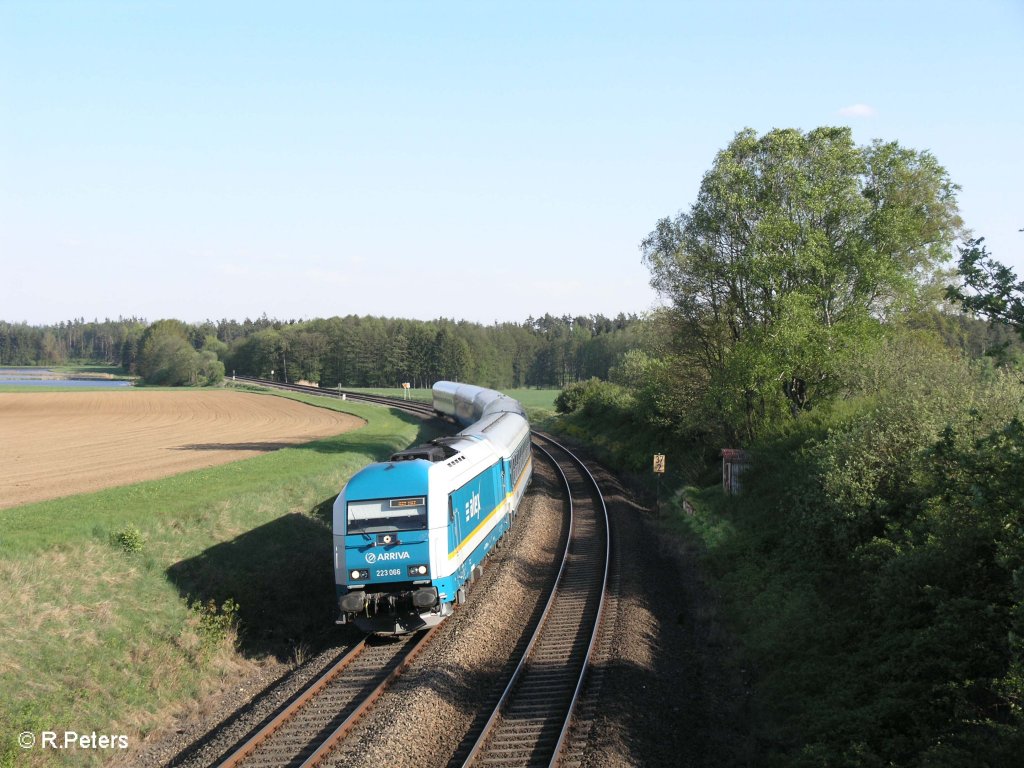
(129, 539)
(215, 625)
(574, 396)
(168, 358)
(875, 570)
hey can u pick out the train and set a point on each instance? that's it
(411, 533)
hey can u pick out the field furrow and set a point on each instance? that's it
(56, 444)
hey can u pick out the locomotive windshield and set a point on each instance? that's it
(383, 515)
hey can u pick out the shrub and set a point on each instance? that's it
(128, 539)
(215, 624)
(574, 396)
(874, 571)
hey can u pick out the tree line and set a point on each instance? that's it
(352, 351)
(106, 342)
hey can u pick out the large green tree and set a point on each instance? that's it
(167, 357)
(798, 247)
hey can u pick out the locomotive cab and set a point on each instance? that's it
(382, 549)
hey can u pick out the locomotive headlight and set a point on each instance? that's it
(418, 570)
(359, 575)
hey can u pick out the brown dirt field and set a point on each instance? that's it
(56, 444)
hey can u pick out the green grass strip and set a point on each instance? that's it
(117, 607)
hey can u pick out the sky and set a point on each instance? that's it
(485, 161)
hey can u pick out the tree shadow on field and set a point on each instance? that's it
(263, 447)
(383, 446)
(280, 575)
(380, 448)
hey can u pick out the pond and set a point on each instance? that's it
(43, 377)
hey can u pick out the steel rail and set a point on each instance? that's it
(413, 406)
(600, 609)
(356, 702)
(293, 706)
(539, 681)
(478, 745)
(342, 730)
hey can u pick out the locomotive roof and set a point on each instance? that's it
(438, 449)
(389, 480)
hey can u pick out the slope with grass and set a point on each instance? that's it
(122, 608)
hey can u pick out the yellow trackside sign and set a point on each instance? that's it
(659, 463)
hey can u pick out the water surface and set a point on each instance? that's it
(43, 377)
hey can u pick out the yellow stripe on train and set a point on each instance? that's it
(509, 495)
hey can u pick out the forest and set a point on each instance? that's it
(348, 351)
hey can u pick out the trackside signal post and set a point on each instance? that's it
(659, 470)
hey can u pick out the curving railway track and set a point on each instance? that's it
(411, 406)
(529, 722)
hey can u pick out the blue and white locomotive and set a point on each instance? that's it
(409, 532)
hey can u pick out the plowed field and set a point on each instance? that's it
(60, 443)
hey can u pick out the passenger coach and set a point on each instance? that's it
(409, 532)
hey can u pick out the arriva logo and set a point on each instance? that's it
(373, 557)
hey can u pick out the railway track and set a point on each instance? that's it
(305, 731)
(530, 721)
(413, 406)
(529, 724)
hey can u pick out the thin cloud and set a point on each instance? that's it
(858, 110)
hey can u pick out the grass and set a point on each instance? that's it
(420, 395)
(537, 402)
(698, 514)
(102, 636)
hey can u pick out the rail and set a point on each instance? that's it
(304, 731)
(530, 722)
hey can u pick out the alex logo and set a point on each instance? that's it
(373, 557)
(473, 507)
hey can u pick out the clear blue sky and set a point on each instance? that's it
(476, 160)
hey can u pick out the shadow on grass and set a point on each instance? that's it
(380, 447)
(324, 511)
(280, 575)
